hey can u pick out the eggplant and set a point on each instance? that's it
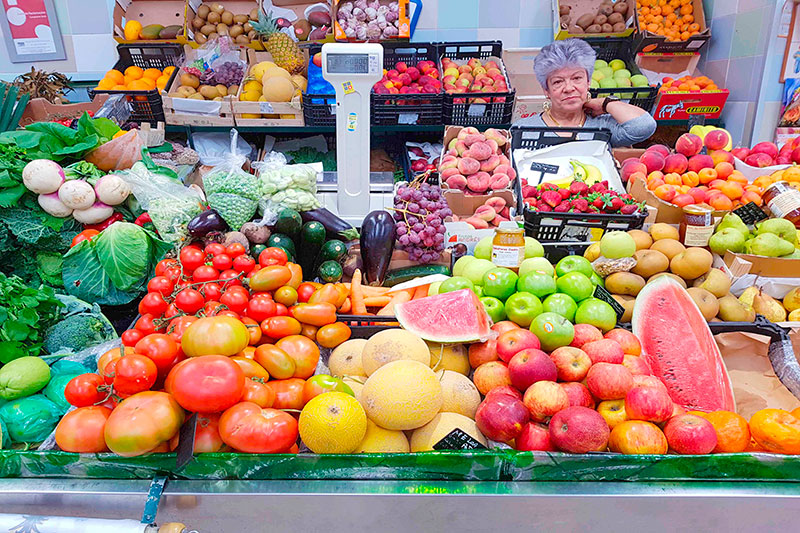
(207, 221)
(335, 226)
(377, 245)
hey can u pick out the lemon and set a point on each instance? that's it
(333, 422)
(250, 96)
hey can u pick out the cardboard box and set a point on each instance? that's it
(785, 134)
(164, 12)
(752, 173)
(666, 212)
(300, 9)
(773, 267)
(621, 154)
(649, 42)
(680, 105)
(582, 7)
(272, 113)
(404, 26)
(519, 69)
(237, 7)
(462, 232)
(40, 110)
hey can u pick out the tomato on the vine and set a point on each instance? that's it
(161, 284)
(229, 278)
(235, 300)
(189, 301)
(211, 291)
(131, 337)
(235, 249)
(273, 256)
(244, 263)
(153, 303)
(205, 273)
(160, 348)
(146, 325)
(178, 325)
(192, 257)
(212, 308)
(254, 329)
(215, 248)
(222, 262)
(85, 235)
(172, 311)
(232, 314)
(82, 391)
(164, 264)
(174, 272)
(109, 371)
(134, 373)
(260, 309)
(183, 283)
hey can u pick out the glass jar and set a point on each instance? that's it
(508, 248)
(697, 225)
(783, 201)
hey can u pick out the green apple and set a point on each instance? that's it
(483, 250)
(608, 72)
(561, 304)
(593, 84)
(478, 290)
(542, 285)
(494, 308)
(500, 283)
(433, 289)
(475, 270)
(616, 64)
(639, 80)
(456, 283)
(461, 263)
(536, 264)
(574, 263)
(597, 75)
(608, 83)
(553, 331)
(576, 285)
(522, 307)
(533, 248)
(597, 280)
(597, 313)
(622, 73)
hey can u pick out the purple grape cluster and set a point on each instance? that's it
(420, 210)
(228, 73)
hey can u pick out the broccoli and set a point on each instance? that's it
(76, 333)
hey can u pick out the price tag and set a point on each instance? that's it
(750, 213)
(544, 168)
(407, 118)
(265, 107)
(602, 294)
(185, 449)
(458, 440)
(476, 110)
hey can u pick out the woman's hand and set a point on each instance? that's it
(594, 106)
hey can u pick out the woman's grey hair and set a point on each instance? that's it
(563, 54)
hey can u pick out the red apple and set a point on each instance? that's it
(534, 438)
(572, 363)
(544, 399)
(516, 340)
(501, 417)
(585, 333)
(503, 326)
(604, 351)
(636, 365)
(690, 435)
(613, 412)
(318, 59)
(482, 352)
(636, 437)
(607, 381)
(628, 341)
(652, 404)
(508, 390)
(529, 366)
(578, 394)
(491, 375)
(641, 380)
(579, 430)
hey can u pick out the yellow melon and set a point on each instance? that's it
(252, 85)
(424, 438)
(345, 360)
(356, 383)
(258, 70)
(300, 82)
(459, 394)
(249, 95)
(402, 395)
(393, 345)
(276, 72)
(379, 440)
(333, 422)
(277, 89)
(449, 357)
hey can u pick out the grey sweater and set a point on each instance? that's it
(628, 133)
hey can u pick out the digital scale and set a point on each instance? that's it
(352, 192)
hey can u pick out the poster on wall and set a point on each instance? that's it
(31, 31)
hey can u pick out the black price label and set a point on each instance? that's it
(750, 213)
(458, 440)
(544, 168)
(185, 450)
(602, 294)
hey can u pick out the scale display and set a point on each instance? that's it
(348, 63)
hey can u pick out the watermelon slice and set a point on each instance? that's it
(680, 348)
(456, 316)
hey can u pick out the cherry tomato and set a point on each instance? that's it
(164, 264)
(276, 361)
(235, 250)
(174, 272)
(205, 273)
(211, 292)
(286, 295)
(215, 248)
(230, 278)
(278, 327)
(244, 263)
(282, 310)
(146, 325)
(259, 309)
(82, 391)
(178, 325)
(304, 291)
(254, 329)
(212, 308)
(153, 303)
(222, 262)
(109, 371)
(232, 314)
(192, 257)
(134, 373)
(85, 235)
(273, 256)
(258, 393)
(332, 335)
(261, 294)
(160, 348)
(172, 311)
(235, 300)
(249, 428)
(189, 301)
(131, 337)
(161, 284)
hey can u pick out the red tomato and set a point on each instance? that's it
(230, 278)
(270, 278)
(286, 295)
(222, 262)
(206, 384)
(272, 256)
(309, 331)
(275, 361)
(297, 275)
(134, 373)
(288, 393)
(215, 248)
(219, 335)
(146, 325)
(131, 337)
(249, 428)
(164, 264)
(205, 273)
(178, 325)
(206, 436)
(109, 371)
(211, 292)
(317, 314)
(258, 393)
(278, 327)
(82, 391)
(235, 250)
(153, 303)
(160, 348)
(192, 257)
(142, 422)
(282, 310)
(174, 273)
(85, 235)
(234, 300)
(161, 284)
(304, 291)
(212, 308)
(332, 335)
(172, 312)
(81, 430)
(183, 283)
(259, 309)
(189, 301)
(254, 329)
(304, 351)
(250, 368)
(244, 263)
(232, 314)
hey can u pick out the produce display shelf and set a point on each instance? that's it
(321, 129)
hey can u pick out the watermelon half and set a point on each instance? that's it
(680, 348)
(456, 316)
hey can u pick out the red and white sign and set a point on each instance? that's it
(30, 26)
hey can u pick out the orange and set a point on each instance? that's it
(139, 85)
(105, 84)
(791, 174)
(115, 76)
(687, 9)
(119, 87)
(168, 71)
(733, 433)
(152, 73)
(133, 72)
(161, 82)
(687, 19)
(776, 431)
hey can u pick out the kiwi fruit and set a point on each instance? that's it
(235, 31)
(226, 17)
(618, 27)
(203, 11)
(605, 9)
(242, 39)
(200, 38)
(253, 14)
(240, 19)
(600, 19)
(214, 18)
(222, 29)
(198, 23)
(252, 35)
(607, 28)
(218, 8)
(621, 7)
(585, 21)
(207, 29)
(594, 28)
(564, 10)
(247, 27)
(615, 17)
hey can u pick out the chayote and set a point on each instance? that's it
(23, 377)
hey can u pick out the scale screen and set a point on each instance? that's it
(348, 63)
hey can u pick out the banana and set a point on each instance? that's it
(579, 172)
(589, 174)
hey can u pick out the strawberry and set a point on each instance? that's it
(614, 205)
(626, 197)
(598, 202)
(604, 183)
(597, 187)
(528, 191)
(580, 204)
(551, 198)
(549, 187)
(544, 208)
(578, 187)
(563, 207)
(564, 193)
(523, 182)
(629, 209)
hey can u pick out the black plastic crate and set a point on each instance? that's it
(364, 327)
(319, 109)
(461, 109)
(620, 48)
(146, 106)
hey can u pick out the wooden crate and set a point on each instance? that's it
(270, 111)
(237, 7)
(164, 12)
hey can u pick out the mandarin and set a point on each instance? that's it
(133, 72)
(152, 73)
(776, 431)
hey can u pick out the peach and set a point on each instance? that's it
(692, 179)
(493, 145)
(653, 160)
(479, 182)
(496, 135)
(477, 223)
(449, 161)
(739, 178)
(665, 192)
(699, 195)
(637, 176)
(633, 166)
(654, 183)
(468, 166)
(720, 202)
(489, 164)
(660, 148)
(682, 200)
(699, 162)
(449, 171)
(689, 144)
(673, 179)
(724, 169)
(504, 161)
(480, 151)
(497, 204)
(505, 168)
(500, 182)
(721, 156)
(461, 148)
(457, 181)
(732, 190)
(655, 174)
(750, 196)
(740, 153)
(707, 175)
(677, 163)
(758, 159)
(717, 139)
(767, 148)
(473, 138)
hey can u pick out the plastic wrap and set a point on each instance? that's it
(54, 391)
(30, 419)
(286, 186)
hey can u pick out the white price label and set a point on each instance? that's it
(408, 118)
(265, 107)
(476, 110)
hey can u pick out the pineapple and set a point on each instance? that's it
(284, 50)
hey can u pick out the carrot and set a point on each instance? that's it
(357, 295)
(346, 306)
(377, 301)
(421, 292)
(369, 290)
(399, 298)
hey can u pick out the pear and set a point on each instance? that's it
(770, 245)
(797, 236)
(766, 305)
(717, 283)
(747, 296)
(733, 221)
(780, 227)
(794, 255)
(706, 302)
(727, 239)
(794, 316)
(732, 310)
(792, 299)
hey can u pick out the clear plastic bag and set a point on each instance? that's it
(286, 186)
(218, 56)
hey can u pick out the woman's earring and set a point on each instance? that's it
(547, 105)
(588, 96)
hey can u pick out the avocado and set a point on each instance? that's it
(301, 29)
(150, 32)
(170, 32)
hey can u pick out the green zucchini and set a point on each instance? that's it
(332, 250)
(289, 223)
(330, 271)
(282, 241)
(312, 237)
(401, 275)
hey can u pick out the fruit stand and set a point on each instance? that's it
(191, 333)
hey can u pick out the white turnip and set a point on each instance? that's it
(43, 176)
(94, 214)
(77, 194)
(53, 205)
(111, 189)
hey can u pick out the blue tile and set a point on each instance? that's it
(722, 33)
(424, 36)
(458, 14)
(492, 15)
(536, 14)
(717, 71)
(747, 33)
(535, 37)
(708, 8)
(458, 34)
(741, 81)
(748, 5)
(89, 16)
(722, 8)
(428, 17)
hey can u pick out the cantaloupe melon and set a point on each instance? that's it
(423, 439)
(356, 383)
(402, 395)
(393, 345)
(459, 394)
(276, 72)
(300, 82)
(345, 360)
(277, 89)
(449, 357)
(258, 70)
(379, 440)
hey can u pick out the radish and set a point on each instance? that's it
(43, 176)
(111, 189)
(77, 194)
(94, 214)
(53, 205)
